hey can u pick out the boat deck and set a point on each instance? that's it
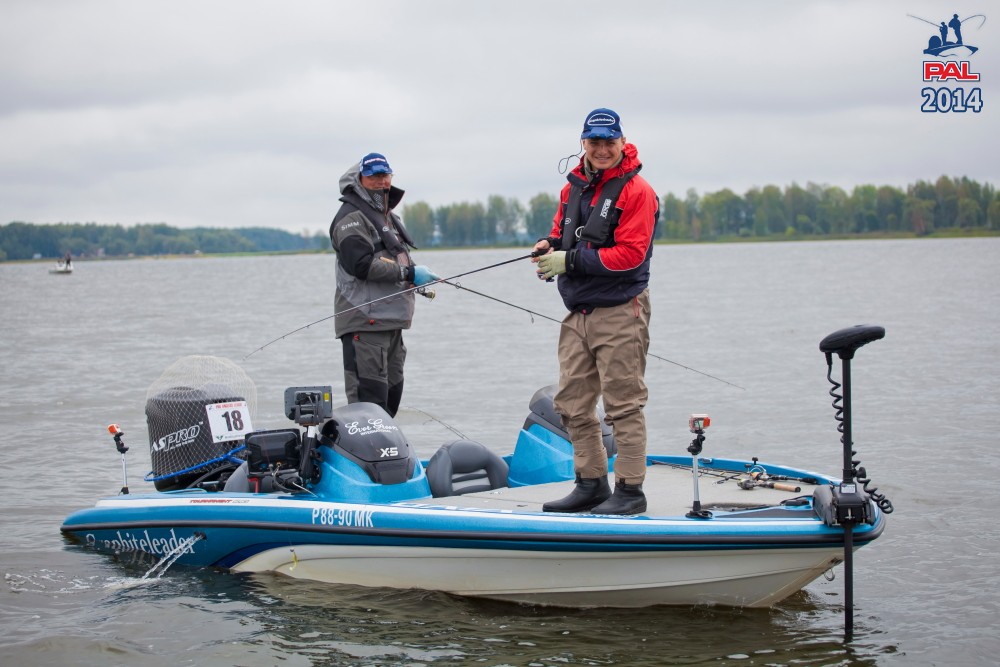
(669, 492)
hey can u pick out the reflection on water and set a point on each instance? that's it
(213, 616)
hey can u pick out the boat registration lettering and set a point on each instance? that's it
(338, 516)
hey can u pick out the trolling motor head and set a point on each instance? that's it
(844, 342)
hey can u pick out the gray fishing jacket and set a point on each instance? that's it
(373, 259)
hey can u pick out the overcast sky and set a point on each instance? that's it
(237, 113)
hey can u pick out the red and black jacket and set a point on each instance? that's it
(608, 256)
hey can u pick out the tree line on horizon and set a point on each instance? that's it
(766, 212)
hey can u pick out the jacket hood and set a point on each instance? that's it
(350, 181)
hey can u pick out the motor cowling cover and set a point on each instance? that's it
(179, 437)
(368, 436)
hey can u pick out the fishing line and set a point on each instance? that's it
(445, 424)
(506, 303)
(388, 296)
(448, 281)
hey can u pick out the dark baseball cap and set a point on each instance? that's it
(602, 124)
(375, 163)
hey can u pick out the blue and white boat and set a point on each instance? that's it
(340, 497)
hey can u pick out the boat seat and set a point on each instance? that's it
(464, 466)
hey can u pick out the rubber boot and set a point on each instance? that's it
(627, 499)
(587, 493)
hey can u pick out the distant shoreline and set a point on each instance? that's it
(952, 233)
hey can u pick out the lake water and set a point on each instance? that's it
(78, 352)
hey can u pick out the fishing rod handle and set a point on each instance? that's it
(785, 487)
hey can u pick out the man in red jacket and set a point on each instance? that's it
(600, 247)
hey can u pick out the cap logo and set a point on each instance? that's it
(601, 119)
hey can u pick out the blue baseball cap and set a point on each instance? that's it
(602, 124)
(375, 163)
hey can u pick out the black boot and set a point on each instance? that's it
(586, 494)
(627, 499)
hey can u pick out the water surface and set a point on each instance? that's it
(78, 352)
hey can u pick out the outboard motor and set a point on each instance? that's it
(198, 412)
(366, 435)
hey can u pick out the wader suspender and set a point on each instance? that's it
(602, 215)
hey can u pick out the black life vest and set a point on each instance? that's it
(603, 215)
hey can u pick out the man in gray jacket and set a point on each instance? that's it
(373, 262)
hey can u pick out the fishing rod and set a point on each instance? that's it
(552, 319)
(753, 477)
(967, 18)
(415, 288)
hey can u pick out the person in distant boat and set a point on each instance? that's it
(944, 33)
(956, 26)
(68, 261)
(600, 247)
(373, 262)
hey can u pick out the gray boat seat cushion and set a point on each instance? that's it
(464, 466)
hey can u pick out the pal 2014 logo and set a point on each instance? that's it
(951, 49)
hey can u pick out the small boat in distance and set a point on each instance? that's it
(62, 268)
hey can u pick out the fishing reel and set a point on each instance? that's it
(757, 475)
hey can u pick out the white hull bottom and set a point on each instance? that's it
(738, 578)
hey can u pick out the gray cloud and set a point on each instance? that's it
(235, 113)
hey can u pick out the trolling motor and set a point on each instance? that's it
(116, 431)
(849, 506)
(697, 425)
